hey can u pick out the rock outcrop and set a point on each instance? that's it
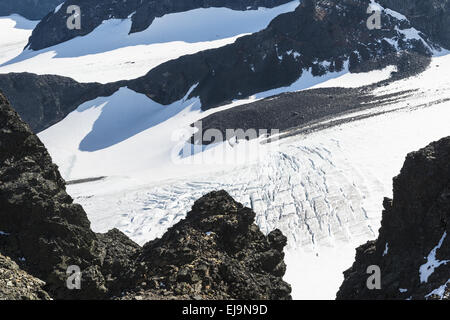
(319, 37)
(16, 284)
(48, 98)
(217, 252)
(413, 247)
(45, 231)
(53, 30)
(30, 9)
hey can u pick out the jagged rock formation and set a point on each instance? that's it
(216, 252)
(319, 36)
(429, 16)
(48, 98)
(16, 284)
(413, 247)
(52, 29)
(30, 9)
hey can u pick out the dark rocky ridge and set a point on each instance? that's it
(43, 100)
(429, 16)
(319, 31)
(413, 224)
(52, 29)
(50, 98)
(44, 232)
(30, 9)
(298, 110)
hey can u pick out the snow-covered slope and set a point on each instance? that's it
(324, 190)
(14, 33)
(110, 53)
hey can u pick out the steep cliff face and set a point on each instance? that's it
(30, 9)
(413, 247)
(52, 29)
(429, 16)
(217, 252)
(319, 37)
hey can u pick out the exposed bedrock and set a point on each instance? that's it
(429, 16)
(30, 9)
(216, 252)
(413, 247)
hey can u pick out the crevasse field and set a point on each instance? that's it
(324, 189)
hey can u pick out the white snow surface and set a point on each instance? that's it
(427, 269)
(324, 189)
(110, 53)
(14, 33)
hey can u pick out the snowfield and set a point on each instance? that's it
(101, 57)
(324, 189)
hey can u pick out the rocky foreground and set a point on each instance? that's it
(413, 247)
(217, 252)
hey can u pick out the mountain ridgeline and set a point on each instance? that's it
(30, 9)
(52, 29)
(429, 16)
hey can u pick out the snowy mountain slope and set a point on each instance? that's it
(323, 190)
(431, 16)
(318, 38)
(128, 56)
(15, 31)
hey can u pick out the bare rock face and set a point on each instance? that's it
(16, 284)
(217, 252)
(413, 247)
(429, 16)
(319, 37)
(30, 9)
